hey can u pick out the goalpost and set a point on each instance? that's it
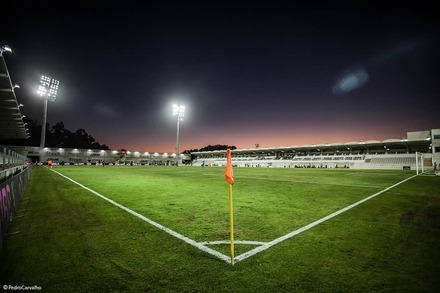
(419, 160)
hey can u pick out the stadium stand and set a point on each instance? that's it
(387, 154)
(10, 163)
(12, 125)
(14, 170)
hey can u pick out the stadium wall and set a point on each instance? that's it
(11, 194)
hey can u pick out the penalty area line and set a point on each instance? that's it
(311, 225)
(151, 222)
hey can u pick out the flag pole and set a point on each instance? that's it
(231, 224)
(229, 176)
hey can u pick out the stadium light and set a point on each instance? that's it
(48, 90)
(5, 48)
(179, 113)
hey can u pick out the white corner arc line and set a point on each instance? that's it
(313, 224)
(219, 242)
(157, 225)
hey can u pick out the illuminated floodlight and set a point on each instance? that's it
(5, 48)
(179, 111)
(48, 88)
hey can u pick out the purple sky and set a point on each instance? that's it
(247, 73)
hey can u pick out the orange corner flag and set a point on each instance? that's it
(229, 173)
(229, 176)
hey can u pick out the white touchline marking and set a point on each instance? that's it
(296, 232)
(157, 225)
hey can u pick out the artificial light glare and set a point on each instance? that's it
(179, 111)
(48, 88)
(6, 48)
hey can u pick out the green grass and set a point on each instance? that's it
(72, 240)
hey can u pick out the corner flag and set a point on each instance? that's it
(229, 173)
(229, 176)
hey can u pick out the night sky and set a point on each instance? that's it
(268, 74)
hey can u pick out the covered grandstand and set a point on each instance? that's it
(12, 125)
(387, 154)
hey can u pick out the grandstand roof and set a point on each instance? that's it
(11, 122)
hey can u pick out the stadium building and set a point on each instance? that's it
(373, 154)
(68, 156)
(418, 148)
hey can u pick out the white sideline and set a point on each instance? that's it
(296, 232)
(157, 225)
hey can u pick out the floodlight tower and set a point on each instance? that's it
(178, 112)
(48, 90)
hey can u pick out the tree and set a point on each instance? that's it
(57, 136)
(217, 147)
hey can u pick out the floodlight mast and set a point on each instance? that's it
(48, 91)
(178, 112)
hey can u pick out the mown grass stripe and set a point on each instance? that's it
(302, 181)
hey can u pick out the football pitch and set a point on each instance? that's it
(166, 229)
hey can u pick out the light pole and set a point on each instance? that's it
(48, 90)
(178, 112)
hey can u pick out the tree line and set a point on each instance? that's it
(59, 136)
(217, 147)
(56, 136)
